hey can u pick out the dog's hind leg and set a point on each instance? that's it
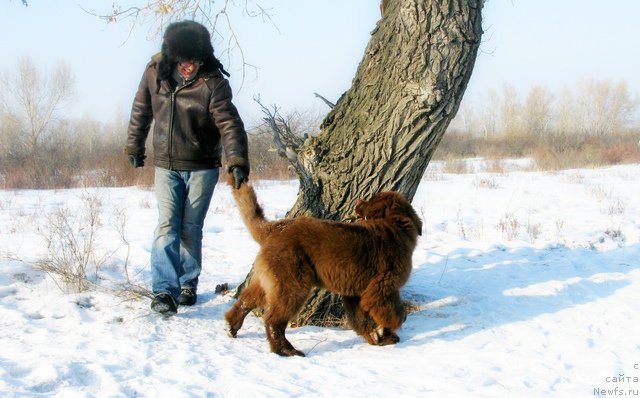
(252, 296)
(277, 340)
(286, 306)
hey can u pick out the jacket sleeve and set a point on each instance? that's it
(230, 125)
(141, 118)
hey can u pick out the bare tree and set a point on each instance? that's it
(510, 111)
(606, 107)
(566, 119)
(35, 98)
(595, 108)
(488, 115)
(383, 131)
(465, 121)
(537, 112)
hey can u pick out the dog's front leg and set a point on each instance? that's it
(384, 305)
(359, 320)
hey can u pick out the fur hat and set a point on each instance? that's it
(187, 40)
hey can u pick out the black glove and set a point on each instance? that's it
(239, 176)
(137, 160)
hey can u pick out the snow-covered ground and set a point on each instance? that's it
(528, 285)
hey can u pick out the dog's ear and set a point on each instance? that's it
(390, 205)
(374, 208)
(404, 212)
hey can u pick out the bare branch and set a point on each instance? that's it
(157, 14)
(301, 152)
(287, 143)
(326, 101)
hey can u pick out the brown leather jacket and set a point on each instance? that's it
(192, 123)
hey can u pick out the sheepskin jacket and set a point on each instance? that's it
(192, 123)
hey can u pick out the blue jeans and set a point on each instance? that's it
(176, 255)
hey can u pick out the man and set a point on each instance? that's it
(185, 95)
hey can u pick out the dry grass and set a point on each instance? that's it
(551, 152)
(509, 226)
(71, 254)
(486, 183)
(61, 166)
(74, 254)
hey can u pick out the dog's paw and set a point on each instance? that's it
(231, 331)
(389, 339)
(383, 336)
(290, 352)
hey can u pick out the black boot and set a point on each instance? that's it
(187, 296)
(164, 304)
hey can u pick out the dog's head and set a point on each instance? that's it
(390, 205)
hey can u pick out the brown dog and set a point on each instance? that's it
(366, 262)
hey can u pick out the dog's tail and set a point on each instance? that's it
(251, 211)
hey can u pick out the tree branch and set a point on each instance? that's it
(287, 143)
(326, 101)
(158, 14)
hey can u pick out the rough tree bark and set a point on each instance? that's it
(383, 131)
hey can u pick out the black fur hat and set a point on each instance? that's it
(187, 40)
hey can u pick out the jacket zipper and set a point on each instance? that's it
(171, 117)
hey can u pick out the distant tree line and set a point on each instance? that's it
(594, 108)
(40, 147)
(595, 123)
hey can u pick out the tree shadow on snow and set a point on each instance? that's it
(471, 291)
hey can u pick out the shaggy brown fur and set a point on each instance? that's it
(366, 262)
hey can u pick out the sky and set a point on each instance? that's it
(524, 284)
(315, 46)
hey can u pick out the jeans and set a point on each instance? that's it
(176, 255)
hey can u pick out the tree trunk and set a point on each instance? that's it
(383, 131)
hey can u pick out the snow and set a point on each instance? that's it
(527, 284)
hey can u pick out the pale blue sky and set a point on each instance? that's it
(318, 44)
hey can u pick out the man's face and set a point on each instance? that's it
(188, 68)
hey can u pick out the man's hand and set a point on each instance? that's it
(137, 160)
(239, 176)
